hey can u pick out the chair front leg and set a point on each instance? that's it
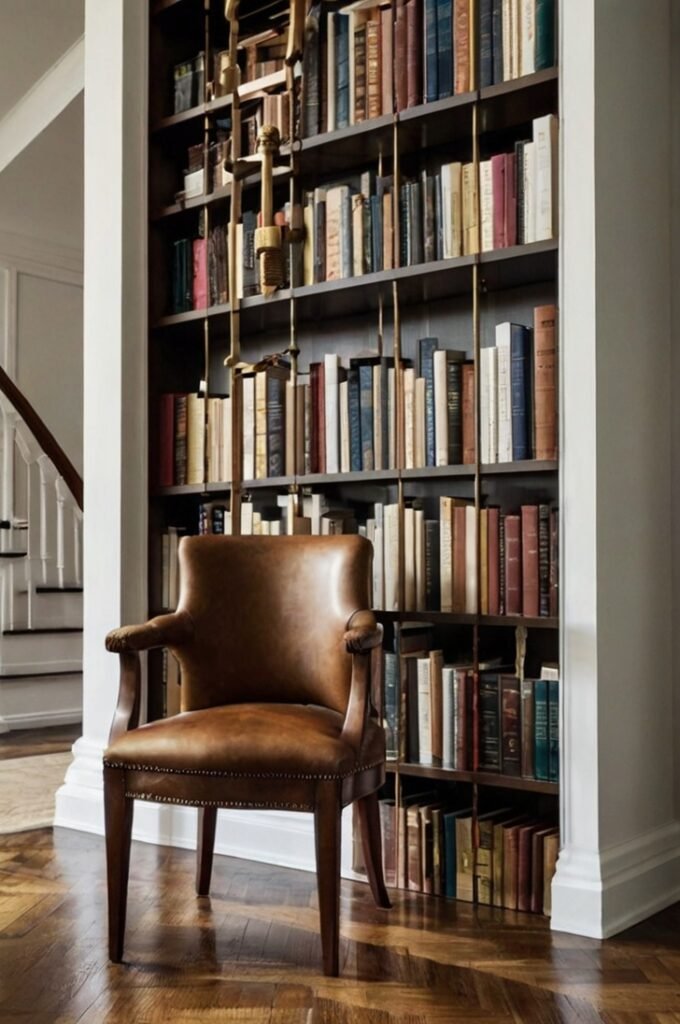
(371, 840)
(118, 810)
(327, 832)
(207, 821)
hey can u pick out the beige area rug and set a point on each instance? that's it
(27, 789)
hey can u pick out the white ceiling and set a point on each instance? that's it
(33, 35)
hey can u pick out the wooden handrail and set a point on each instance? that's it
(44, 437)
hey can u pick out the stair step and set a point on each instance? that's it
(6, 525)
(59, 590)
(13, 554)
(39, 675)
(48, 629)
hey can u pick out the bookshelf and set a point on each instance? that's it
(211, 349)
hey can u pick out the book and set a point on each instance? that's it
(551, 849)
(545, 382)
(530, 561)
(510, 725)
(489, 723)
(527, 728)
(541, 731)
(553, 730)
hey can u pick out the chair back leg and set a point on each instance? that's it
(369, 819)
(327, 833)
(207, 821)
(118, 810)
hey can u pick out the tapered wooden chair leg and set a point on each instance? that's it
(369, 818)
(327, 831)
(118, 811)
(207, 820)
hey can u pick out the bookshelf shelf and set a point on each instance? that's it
(406, 168)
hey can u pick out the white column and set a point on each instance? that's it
(115, 374)
(621, 856)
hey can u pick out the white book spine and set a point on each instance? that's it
(409, 417)
(507, 40)
(447, 210)
(419, 528)
(424, 718)
(441, 412)
(308, 250)
(456, 209)
(409, 559)
(484, 381)
(344, 427)
(486, 204)
(248, 428)
(530, 192)
(247, 518)
(470, 560)
(516, 34)
(493, 404)
(504, 393)
(392, 414)
(419, 453)
(448, 682)
(528, 41)
(378, 455)
(545, 161)
(227, 439)
(391, 513)
(331, 364)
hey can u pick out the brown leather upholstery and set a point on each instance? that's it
(275, 643)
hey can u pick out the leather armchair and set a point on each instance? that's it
(277, 650)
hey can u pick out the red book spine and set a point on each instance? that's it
(499, 196)
(513, 566)
(545, 383)
(414, 50)
(400, 43)
(530, 561)
(469, 447)
(494, 562)
(166, 441)
(510, 199)
(200, 284)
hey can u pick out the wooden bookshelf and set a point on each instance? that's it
(463, 297)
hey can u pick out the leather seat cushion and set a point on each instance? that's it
(252, 740)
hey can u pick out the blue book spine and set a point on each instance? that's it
(376, 234)
(450, 856)
(366, 402)
(354, 420)
(520, 387)
(346, 235)
(497, 40)
(541, 743)
(554, 730)
(431, 54)
(445, 48)
(391, 706)
(485, 43)
(342, 71)
(426, 350)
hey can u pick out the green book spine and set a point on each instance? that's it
(545, 34)
(541, 745)
(554, 730)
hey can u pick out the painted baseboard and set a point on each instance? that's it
(600, 895)
(43, 719)
(270, 837)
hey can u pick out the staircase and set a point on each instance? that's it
(41, 611)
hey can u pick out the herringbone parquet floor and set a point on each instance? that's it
(251, 953)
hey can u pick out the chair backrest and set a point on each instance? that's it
(269, 616)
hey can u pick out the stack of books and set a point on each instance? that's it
(519, 725)
(189, 83)
(188, 453)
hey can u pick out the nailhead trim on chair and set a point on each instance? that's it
(239, 775)
(249, 805)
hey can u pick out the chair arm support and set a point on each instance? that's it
(126, 715)
(363, 633)
(164, 631)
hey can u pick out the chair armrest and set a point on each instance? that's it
(362, 639)
(363, 633)
(126, 715)
(164, 631)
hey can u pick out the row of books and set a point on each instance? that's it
(429, 846)
(189, 83)
(366, 61)
(429, 717)
(518, 391)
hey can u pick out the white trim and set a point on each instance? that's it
(599, 896)
(41, 258)
(43, 102)
(40, 668)
(43, 719)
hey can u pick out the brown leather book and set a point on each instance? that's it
(510, 726)
(513, 566)
(469, 447)
(464, 859)
(497, 859)
(400, 44)
(551, 850)
(387, 59)
(436, 705)
(545, 382)
(461, 700)
(413, 849)
(459, 517)
(510, 866)
(530, 561)
(317, 378)
(493, 560)
(427, 847)
(389, 840)
(526, 834)
(373, 65)
(414, 52)
(437, 852)
(461, 39)
(537, 846)
(360, 75)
